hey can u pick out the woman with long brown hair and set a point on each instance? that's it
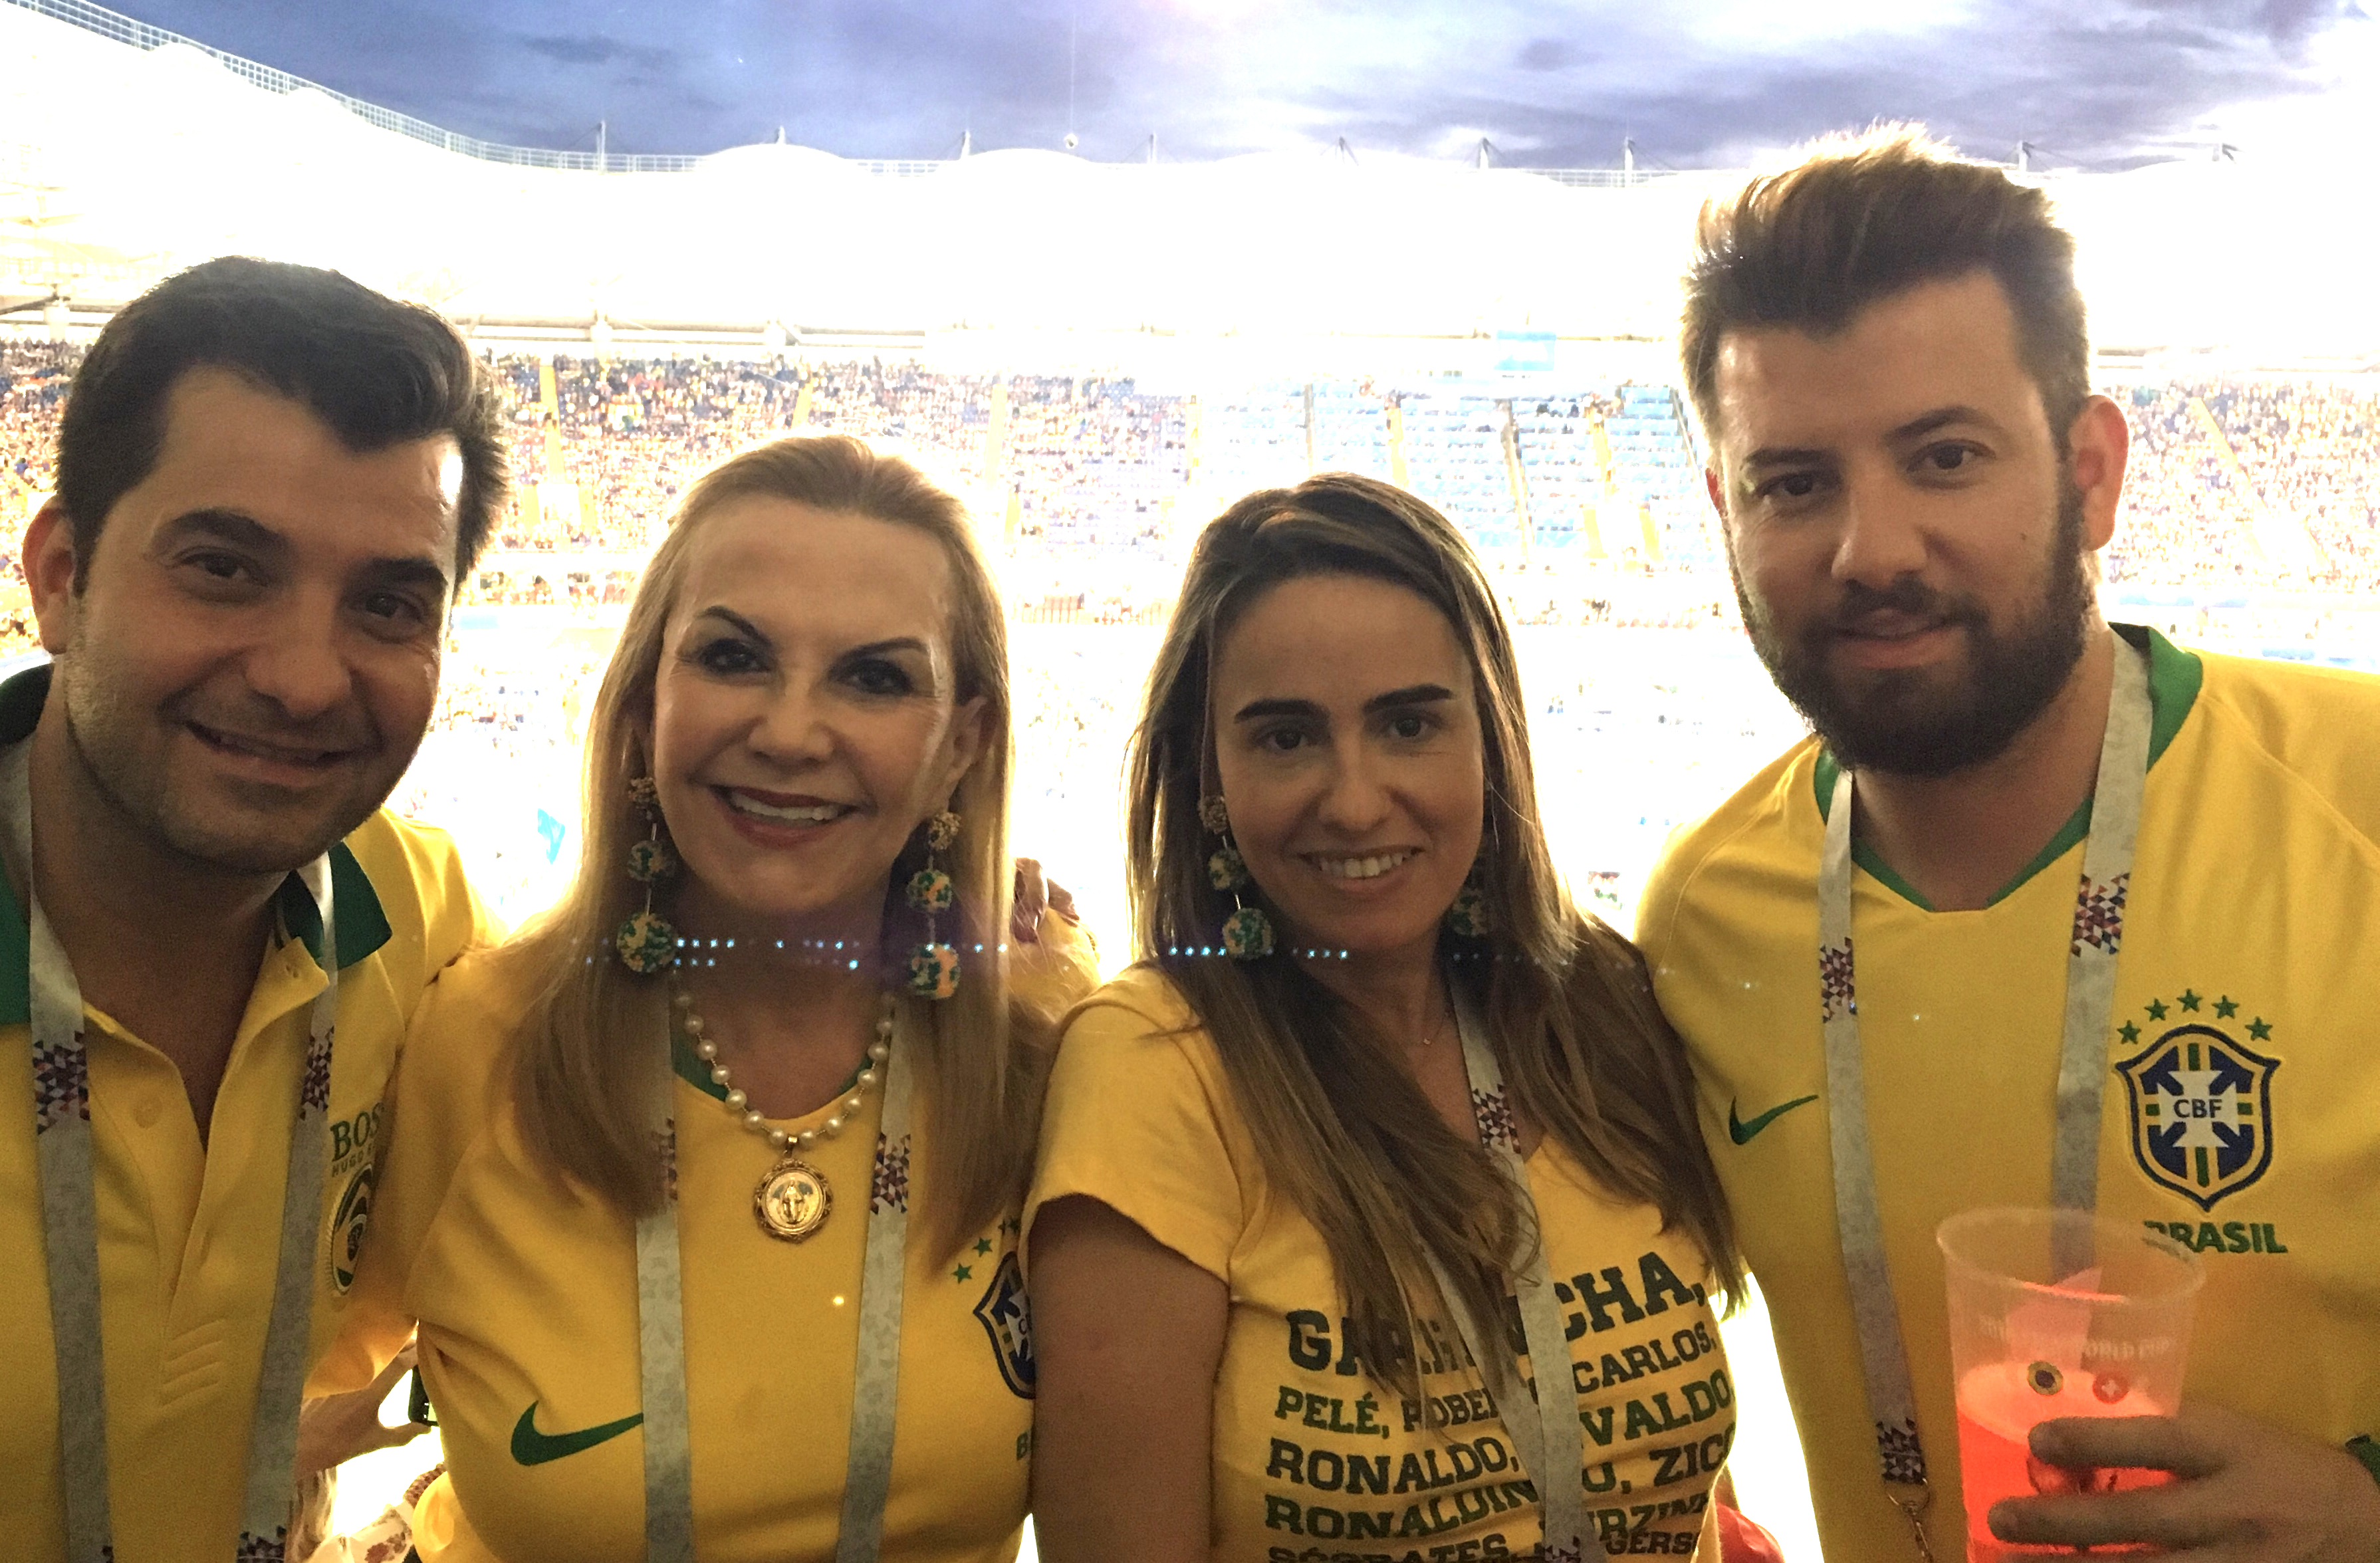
(1380, 1124)
(704, 1189)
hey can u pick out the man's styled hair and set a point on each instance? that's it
(378, 373)
(1865, 218)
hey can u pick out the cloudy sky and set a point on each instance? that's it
(1695, 83)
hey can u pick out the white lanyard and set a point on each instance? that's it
(1552, 1445)
(64, 1164)
(661, 1333)
(2082, 1068)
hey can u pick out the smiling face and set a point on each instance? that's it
(1906, 543)
(253, 655)
(1347, 741)
(806, 712)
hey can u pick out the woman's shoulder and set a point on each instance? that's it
(1138, 1033)
(1140, 1003)
(468, 1020)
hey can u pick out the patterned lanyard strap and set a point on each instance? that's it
(2081, 1065)
(63, 1160)
(1552, 1444)
(661, 1333)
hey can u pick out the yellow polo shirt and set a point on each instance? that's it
(524, 1290)
(189, 1235)
(2239, 1100)
(1312, 1462)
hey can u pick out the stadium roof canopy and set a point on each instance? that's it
(126, 153)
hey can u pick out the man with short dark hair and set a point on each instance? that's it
(270, 481)
(2048, 912)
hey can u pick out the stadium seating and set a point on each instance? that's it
(2234, 484)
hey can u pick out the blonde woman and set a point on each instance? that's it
(706, 1191)
(1380, 1124)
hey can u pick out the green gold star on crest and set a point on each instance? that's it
(962, 1274)
(983, 1245)
(2189, 1001)
(2157, 1009)
(2128, 1032)
(2260, 1029)
(2225, 1009)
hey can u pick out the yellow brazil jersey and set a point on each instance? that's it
(524, 1290)
(189, 1235)
(2239, 1103)
(1313, 1461)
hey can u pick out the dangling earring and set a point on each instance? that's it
(1247, 932)
(933, 966)
(1469, 916)
(647, 942)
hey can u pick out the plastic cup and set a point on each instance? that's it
(2057, 1313)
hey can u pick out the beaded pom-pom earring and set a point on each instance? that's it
(934, 965)
(646, 942)
(1247, 932)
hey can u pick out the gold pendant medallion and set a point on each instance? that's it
(791, 1200)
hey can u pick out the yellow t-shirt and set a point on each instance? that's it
(526, 1294)
(2240, 1098)
(189, 1234)
(1312, 1459)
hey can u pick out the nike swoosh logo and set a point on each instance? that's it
(533, 1447)
(1742, 1133)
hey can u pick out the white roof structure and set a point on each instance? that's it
(120, 163)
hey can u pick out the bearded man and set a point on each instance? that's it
(2047, 912)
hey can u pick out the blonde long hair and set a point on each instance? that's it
(1345, 1132)
(584, 1046)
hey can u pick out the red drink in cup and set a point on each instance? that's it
(2057, 1313)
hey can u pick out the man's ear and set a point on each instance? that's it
(49, 561)
(1713, 485)
(2098, 445)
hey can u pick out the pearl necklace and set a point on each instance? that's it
(870, 1077)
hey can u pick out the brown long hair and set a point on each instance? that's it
(1343, 1131)
(584, 1042)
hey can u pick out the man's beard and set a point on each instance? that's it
(1901, 721)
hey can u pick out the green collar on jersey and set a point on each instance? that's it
(2174, 679)
(363, 925)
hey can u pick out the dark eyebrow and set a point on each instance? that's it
(406, 573)
(879, 648)
(1414, 695)
(225, 525)
(1786, 455)
(738, 620)
(1941, 417)
(241, 530)
(1255, 710)
(873, 649)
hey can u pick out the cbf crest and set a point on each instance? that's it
(1004, 1317)
(2201, 1099)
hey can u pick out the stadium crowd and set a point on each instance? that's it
(2313, 453)
(33, 378)
(1071, 467)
